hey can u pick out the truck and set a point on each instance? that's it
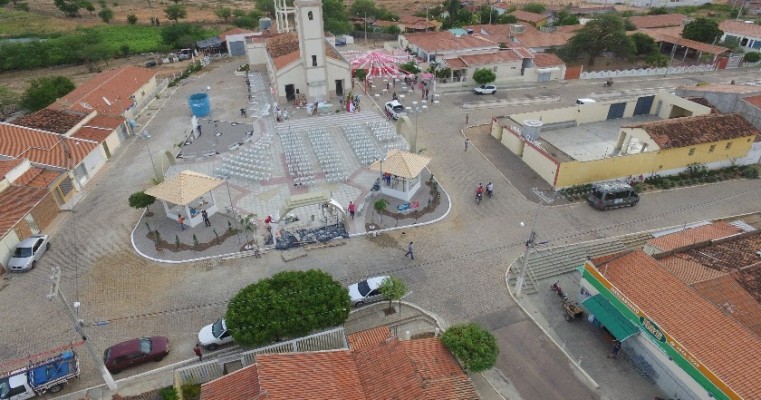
(49, 375)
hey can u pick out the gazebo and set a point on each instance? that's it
(400, 171)
(184, 195)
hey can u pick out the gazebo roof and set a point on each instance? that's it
(402, 163)
(184, 187)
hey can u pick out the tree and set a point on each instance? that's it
(658, 11)
(453, 7)
(483, 76)
(564, 18)
(393, 29)
(106, 15)
(9, 100)
(223, 13)
(132, 19)
(410, 67)
(474, 346)
(290, 304)
(380, 206)
(181, 35)
(393, 289)
(643, 44)
(3, 3)
(334, 17)
(266, 6)
(249, 226)
(175, 12)
(44, 91)
(752, 57)
(657, 60)
(536, 8)
(68, 7)
(629, 25)
(363, 7)
(141, 200)
(703, 30)
(605, 32)
(360, 74)
(507, 19)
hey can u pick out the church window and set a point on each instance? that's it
(310, 15)
(314, 61)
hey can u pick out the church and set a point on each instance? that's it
(302, 63)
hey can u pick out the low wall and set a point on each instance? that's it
(647, 71)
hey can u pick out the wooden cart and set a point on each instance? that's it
(572, 311)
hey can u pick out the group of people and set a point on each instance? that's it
(350, 103)
(480, 189)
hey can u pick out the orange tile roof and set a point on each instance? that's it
(688, 270)
(498, 57)
(431, 42)
(659, 36)
(227, 387)
(291, 376)
(284, 50)
(733, 300)
(235, 31)
(720, 343)
(532, 37)
(441, 374)
(42, 147)
(7, 165)
(18, 201)
(116, 86)
(657, 21)
(755, 101)
(386, 372)
(38, 177)
(694, 235)
(455, 63)
(369, 338)
(57, 121)
(546, 60)
(740, 28)
(528, 16)
(689, 131)
(99, 128)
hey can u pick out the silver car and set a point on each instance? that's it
(367, 291)
(27, 253)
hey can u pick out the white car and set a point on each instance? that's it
(367, 291)
(27, 253)
(485, 89)
(395, 109)
(215, 335)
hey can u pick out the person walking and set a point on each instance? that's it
(467, 142)
(352, 209)
(410, 249)
(198, 351)
(205, 216)
(615, 350)
(181, 220)
(467, 117)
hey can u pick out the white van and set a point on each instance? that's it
(585, 101)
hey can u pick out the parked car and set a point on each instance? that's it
(485, 89)
(151, 64)
(340, 42)
(367, 291)
(609, 195)
(27, 253)
(135, 352)
(395, 109)
(214, 335)
(186, 54)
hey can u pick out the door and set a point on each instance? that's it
(644, 104)
(616, 110)
(544, 76)
(290, 92)
(339, 87)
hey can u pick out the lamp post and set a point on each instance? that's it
(416, 109)
(531, 241)
(145, 136)
(365, 28)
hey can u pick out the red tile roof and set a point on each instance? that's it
(528, 16)
(227, 387)
(755, 101)
(284, 50)
(733, 300)
(116, 86)
(386, 372)
(99, 128)
(658, 21)
(688, 270)
(38, 177)
(694, 235)
(51, 120)
(18, 201)
(720, 343)
(7, 165)
(740, 28)
(455, 63)
(546, 60)
(689, 131)
(369, 338)
(441, 374)
(42, 147)
(431, 42)
(498, 57)
(659, 36)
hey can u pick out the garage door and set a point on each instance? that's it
(616, 110)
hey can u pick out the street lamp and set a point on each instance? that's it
(531, 240)
(145, 136)
(416, 109)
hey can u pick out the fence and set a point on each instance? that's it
(333, 339)
(647, 71)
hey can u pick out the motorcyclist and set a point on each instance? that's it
(480, 189)
(489, 189)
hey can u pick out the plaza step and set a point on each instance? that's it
(635, 241)
(335, 120)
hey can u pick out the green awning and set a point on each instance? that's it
(611, 318)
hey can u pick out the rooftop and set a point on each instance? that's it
(98, 128)
(657, 21)
(694, 235)
(42, 147)
(56, 121)
(431, 42)
(734, 27)
(235, 31)
(284, 50)
(530, 37)
(528, 16)
(17, 202)
(497, 57)
(546, 60)
(662, 36)
(689, 131)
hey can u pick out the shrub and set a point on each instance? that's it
(22, 7)
(191, 391)
(750, 173)
(168, 393)
(132, 19)
(473, 345)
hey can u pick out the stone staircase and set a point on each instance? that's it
(549, 262)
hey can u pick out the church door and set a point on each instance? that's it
(290, 92)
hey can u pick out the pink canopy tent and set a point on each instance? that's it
(381, 64)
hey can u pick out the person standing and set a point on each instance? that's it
(467, 142)
(410, 248)
(467, 117)
(181, 220)
(615, 350)
(205, 216)
(198, 351)
(352, 209)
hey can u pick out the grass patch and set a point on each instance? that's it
(23, 24)
(139, 38)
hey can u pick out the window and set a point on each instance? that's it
(712, 148)
(692, 151)
(314, 61)
(310, 15)
(729, 144)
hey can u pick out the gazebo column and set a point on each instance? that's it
(166, 210)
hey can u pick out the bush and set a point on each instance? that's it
(191, 391)
(169, 393)
(22, 7)
(473, 345)
(750, 173)
(44, 91)
(132, 19)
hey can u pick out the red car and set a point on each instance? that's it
(135, 352)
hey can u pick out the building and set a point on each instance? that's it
(659, 21)
(689, 312)
(658, 3)
(376, 366)
(747, 34)
(235, 40)
(527, 36)
(742, 99)
(409, 24)
(533, 19)
(432, 46)
(515, 64)
(303, 62)
(657, 134)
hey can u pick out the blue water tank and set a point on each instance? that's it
(199, 104)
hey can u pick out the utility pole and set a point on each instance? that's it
(365, 28)
(55, 291)
(530, 242)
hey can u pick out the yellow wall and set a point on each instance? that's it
(543, 165)
(670, 100)
(496, 131)
(580, 172)
(513, 142)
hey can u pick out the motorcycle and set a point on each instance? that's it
(489, 192)
(608, 83)
(479, 196)
(556, 288)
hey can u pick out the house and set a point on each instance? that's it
(655, 134)
(376, 366)
(122, 92)
(29, 198)
(659, 21)
(748, 35)
(658, 3)
(512, 64)
(528, 36)
(303, 62)
(409, 24)
(533, 19)
(235, 40)
(743, 99)
(674, 310)
(431, 46)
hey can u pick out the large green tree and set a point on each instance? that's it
(702, 30)
(334, 17)
(288, 305)
(643, 44)
(175, 12)
(69, 7)
(604, 33)
(266, 6)
(44, 91)
(474, 346)
(182, 35)
(363, 7)
(483, 76)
